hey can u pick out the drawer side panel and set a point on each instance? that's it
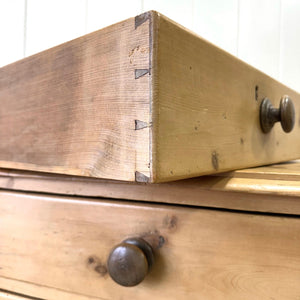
(75, 108)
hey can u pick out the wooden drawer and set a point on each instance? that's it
(142, 100)
(57, 248)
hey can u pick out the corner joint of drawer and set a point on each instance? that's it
(140, 19)
(140, 73)
(140, 177)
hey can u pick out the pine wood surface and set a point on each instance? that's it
(143, 100)
(274, 188)
(72, 109)
(9, 296)
(200, 254)
(286, 171)
(206, 109)
(41, 291)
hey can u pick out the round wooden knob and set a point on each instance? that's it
(130, 261)
(285, 114)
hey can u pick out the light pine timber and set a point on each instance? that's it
(201, 254)
(274, 188)
(286, 171)
(72, 109)
(142, 100)
(41, 292)
(9, 296)
(206, 109)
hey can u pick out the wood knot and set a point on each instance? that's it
(94, 263)
(170, 222)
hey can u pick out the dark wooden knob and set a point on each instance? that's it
(285, 114)
(130, 261)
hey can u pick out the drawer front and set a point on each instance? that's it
(206, 111)
(63, 243)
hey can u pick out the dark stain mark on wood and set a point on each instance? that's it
(196, 128)
(277, 143)
(224, 116)
(139, 20)
(242, 141)
(91, 260)
(101, 269)
(171, 172)
(256, 92)
(140, 72)
(170, 222)
(140, 124)
(140, 177)
(215, 160)
(94, 263)
(161, 241)
(154, 238)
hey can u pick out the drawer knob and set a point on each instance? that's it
(130, 261)
(269, 115)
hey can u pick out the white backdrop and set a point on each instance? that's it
(264, 33)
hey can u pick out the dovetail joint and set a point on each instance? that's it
(140, 124)
(140, 177)
(139, 20)
(140, 72)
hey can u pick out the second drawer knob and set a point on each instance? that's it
(130, 261)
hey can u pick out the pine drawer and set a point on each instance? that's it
(56, 247)
(142, 100)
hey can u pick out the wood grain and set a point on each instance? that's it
(274, 188)
(9, 296)
(63, 243)
(142, 100)
(287, 171)
(206, 109)
(41, 291)
(72, 109)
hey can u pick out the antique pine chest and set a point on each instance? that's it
(94, 134)
(227, 236)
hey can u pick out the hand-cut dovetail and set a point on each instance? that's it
(140, 177)
(140, 72)
(139, 20)
(140, 124)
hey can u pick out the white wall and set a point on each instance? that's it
(264, 33)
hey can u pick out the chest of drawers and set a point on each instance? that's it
(228, 236)
(93, 134)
